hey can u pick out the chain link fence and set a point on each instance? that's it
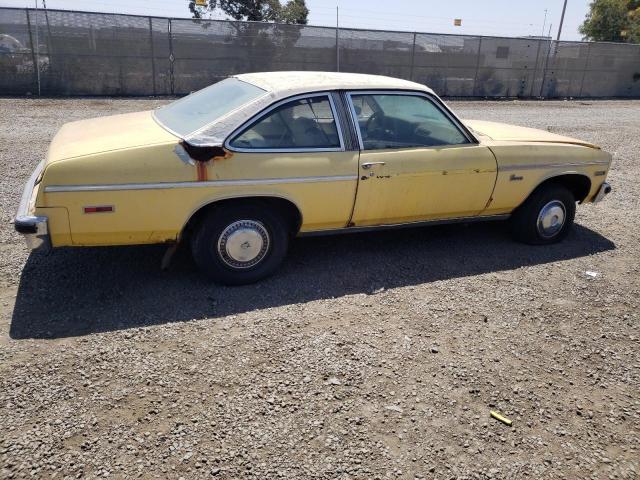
(56, 52)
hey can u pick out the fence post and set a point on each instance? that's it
(585, 69)
(153, 57)
(36, 77)
(413, 55)
(475, 78)
(121, 75)
(171, 57)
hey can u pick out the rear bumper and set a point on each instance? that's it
(35, 232)
(34, 228)
(603, 191)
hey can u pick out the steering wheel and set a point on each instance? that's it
(374, 122)
(421, 131)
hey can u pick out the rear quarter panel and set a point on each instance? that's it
(148, 214)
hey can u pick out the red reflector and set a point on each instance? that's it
(100, 209)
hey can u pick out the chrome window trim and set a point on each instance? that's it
(238, 131)
(411, 93)
(346, 121)
(354, 120)
(213, 183)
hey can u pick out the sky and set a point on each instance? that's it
(479, 17)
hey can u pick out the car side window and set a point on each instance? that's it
(302, 123)
(389, 121)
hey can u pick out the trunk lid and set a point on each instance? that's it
(103, 134)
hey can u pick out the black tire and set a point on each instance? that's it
(525, 225)
(211, 253)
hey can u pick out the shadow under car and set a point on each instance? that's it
(79, 291)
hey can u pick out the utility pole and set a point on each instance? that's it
(544, 23)
(49, 38)
(556, 44)
(337, 39)
(37, 50)
(546, 62)
(564, 9)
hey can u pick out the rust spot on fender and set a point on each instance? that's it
(201, 169)
(204, 154)
(200, 157)
(225, 155)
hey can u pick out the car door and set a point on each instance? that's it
(417, 163)
(295, 150)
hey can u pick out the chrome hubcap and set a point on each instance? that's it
(551, 219)
(243, 244)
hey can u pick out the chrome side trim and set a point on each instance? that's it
(215, 183)
(486, 218)
(535, 166)
(263, 113)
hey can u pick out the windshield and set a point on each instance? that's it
(194, 111)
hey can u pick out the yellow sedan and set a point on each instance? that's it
(240, 168)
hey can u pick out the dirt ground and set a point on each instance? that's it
(367, 356)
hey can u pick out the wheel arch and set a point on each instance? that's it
(578, 183)
(287, 207)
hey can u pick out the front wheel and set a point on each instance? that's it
(545, 217)
(237, 245)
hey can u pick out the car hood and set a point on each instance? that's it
(506, 132)
(103, 134)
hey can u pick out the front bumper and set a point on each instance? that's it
(35, 229)
(603, 191)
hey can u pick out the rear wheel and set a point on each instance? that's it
(240, 244)
(545, 217)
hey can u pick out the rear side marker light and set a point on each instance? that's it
(98, 209)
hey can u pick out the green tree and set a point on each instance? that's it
(293, 11)
(613, 21)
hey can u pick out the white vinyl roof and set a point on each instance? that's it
(280, 85)
(286, 84)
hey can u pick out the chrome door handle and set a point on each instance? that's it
(368, 165)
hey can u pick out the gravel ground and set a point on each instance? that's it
(367, 356)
